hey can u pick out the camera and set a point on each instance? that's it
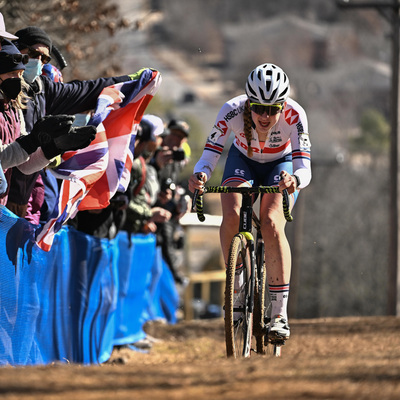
(167, 184)
(178, 155)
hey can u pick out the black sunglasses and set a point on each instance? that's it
(16, 58)
(33, 53)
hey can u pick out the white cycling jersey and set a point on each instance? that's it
(289, 135)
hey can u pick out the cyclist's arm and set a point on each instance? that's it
(215, 142)
(301, 152)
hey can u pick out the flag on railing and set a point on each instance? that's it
(91, 176)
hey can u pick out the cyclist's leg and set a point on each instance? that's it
(277, 250)
(236, 173)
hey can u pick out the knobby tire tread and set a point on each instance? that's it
(229, 296)
(237, 245)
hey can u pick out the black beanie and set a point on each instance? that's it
(32, 35)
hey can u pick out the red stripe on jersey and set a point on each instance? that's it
(276, 149)
(211, 147)
(301, 154)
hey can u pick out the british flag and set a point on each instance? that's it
(91, 176)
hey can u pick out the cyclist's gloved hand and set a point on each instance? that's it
(3, 181)
(45, 130)
(77, 138)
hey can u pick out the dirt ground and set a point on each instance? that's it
(332, 358)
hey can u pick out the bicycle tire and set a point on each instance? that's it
(238, 334)
(259, 329)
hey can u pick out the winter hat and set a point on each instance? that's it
(9, 63)
(3, 32)
(32, 35)
(151, 127)
(180, 126)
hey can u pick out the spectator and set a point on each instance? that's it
(52, 134)
(47, 97)
(3, 33)
(144, 185)
(169, 160)
(171, 157)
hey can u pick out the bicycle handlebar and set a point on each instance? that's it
(198, 199)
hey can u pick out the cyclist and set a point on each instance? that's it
(271, 147)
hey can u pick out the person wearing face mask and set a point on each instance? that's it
(48, 98)
(37, 44)
(49, 137)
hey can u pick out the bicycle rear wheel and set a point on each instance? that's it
(238, 319)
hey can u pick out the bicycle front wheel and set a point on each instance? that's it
(259, 329)
(238, 319)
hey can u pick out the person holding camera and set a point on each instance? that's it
(171, 157)
(169, 161)
(144, 187)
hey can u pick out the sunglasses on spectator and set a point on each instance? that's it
(16, 58)
(33, 53)
(270, 109)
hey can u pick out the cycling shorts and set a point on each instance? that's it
(239, 168)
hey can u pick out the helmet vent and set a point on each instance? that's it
(273, 94)
(284, 92)
(262, 94)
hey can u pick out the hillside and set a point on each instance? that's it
(339, 67)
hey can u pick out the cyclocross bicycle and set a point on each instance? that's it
(254, 317)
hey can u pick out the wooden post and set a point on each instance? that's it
(393, 304)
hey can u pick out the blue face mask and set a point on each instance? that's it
(33, 69)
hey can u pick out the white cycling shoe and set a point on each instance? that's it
(279, 328)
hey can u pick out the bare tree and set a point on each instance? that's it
(81, 30)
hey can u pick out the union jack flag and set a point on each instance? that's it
(91, 176)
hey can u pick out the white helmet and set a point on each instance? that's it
(267, 84)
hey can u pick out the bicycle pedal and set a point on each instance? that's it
(277, 342)
(264, 330)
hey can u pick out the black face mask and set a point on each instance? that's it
(11, 87)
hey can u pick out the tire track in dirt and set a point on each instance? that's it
(330, 358)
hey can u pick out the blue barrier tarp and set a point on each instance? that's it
(134, 298)
(77, 301)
